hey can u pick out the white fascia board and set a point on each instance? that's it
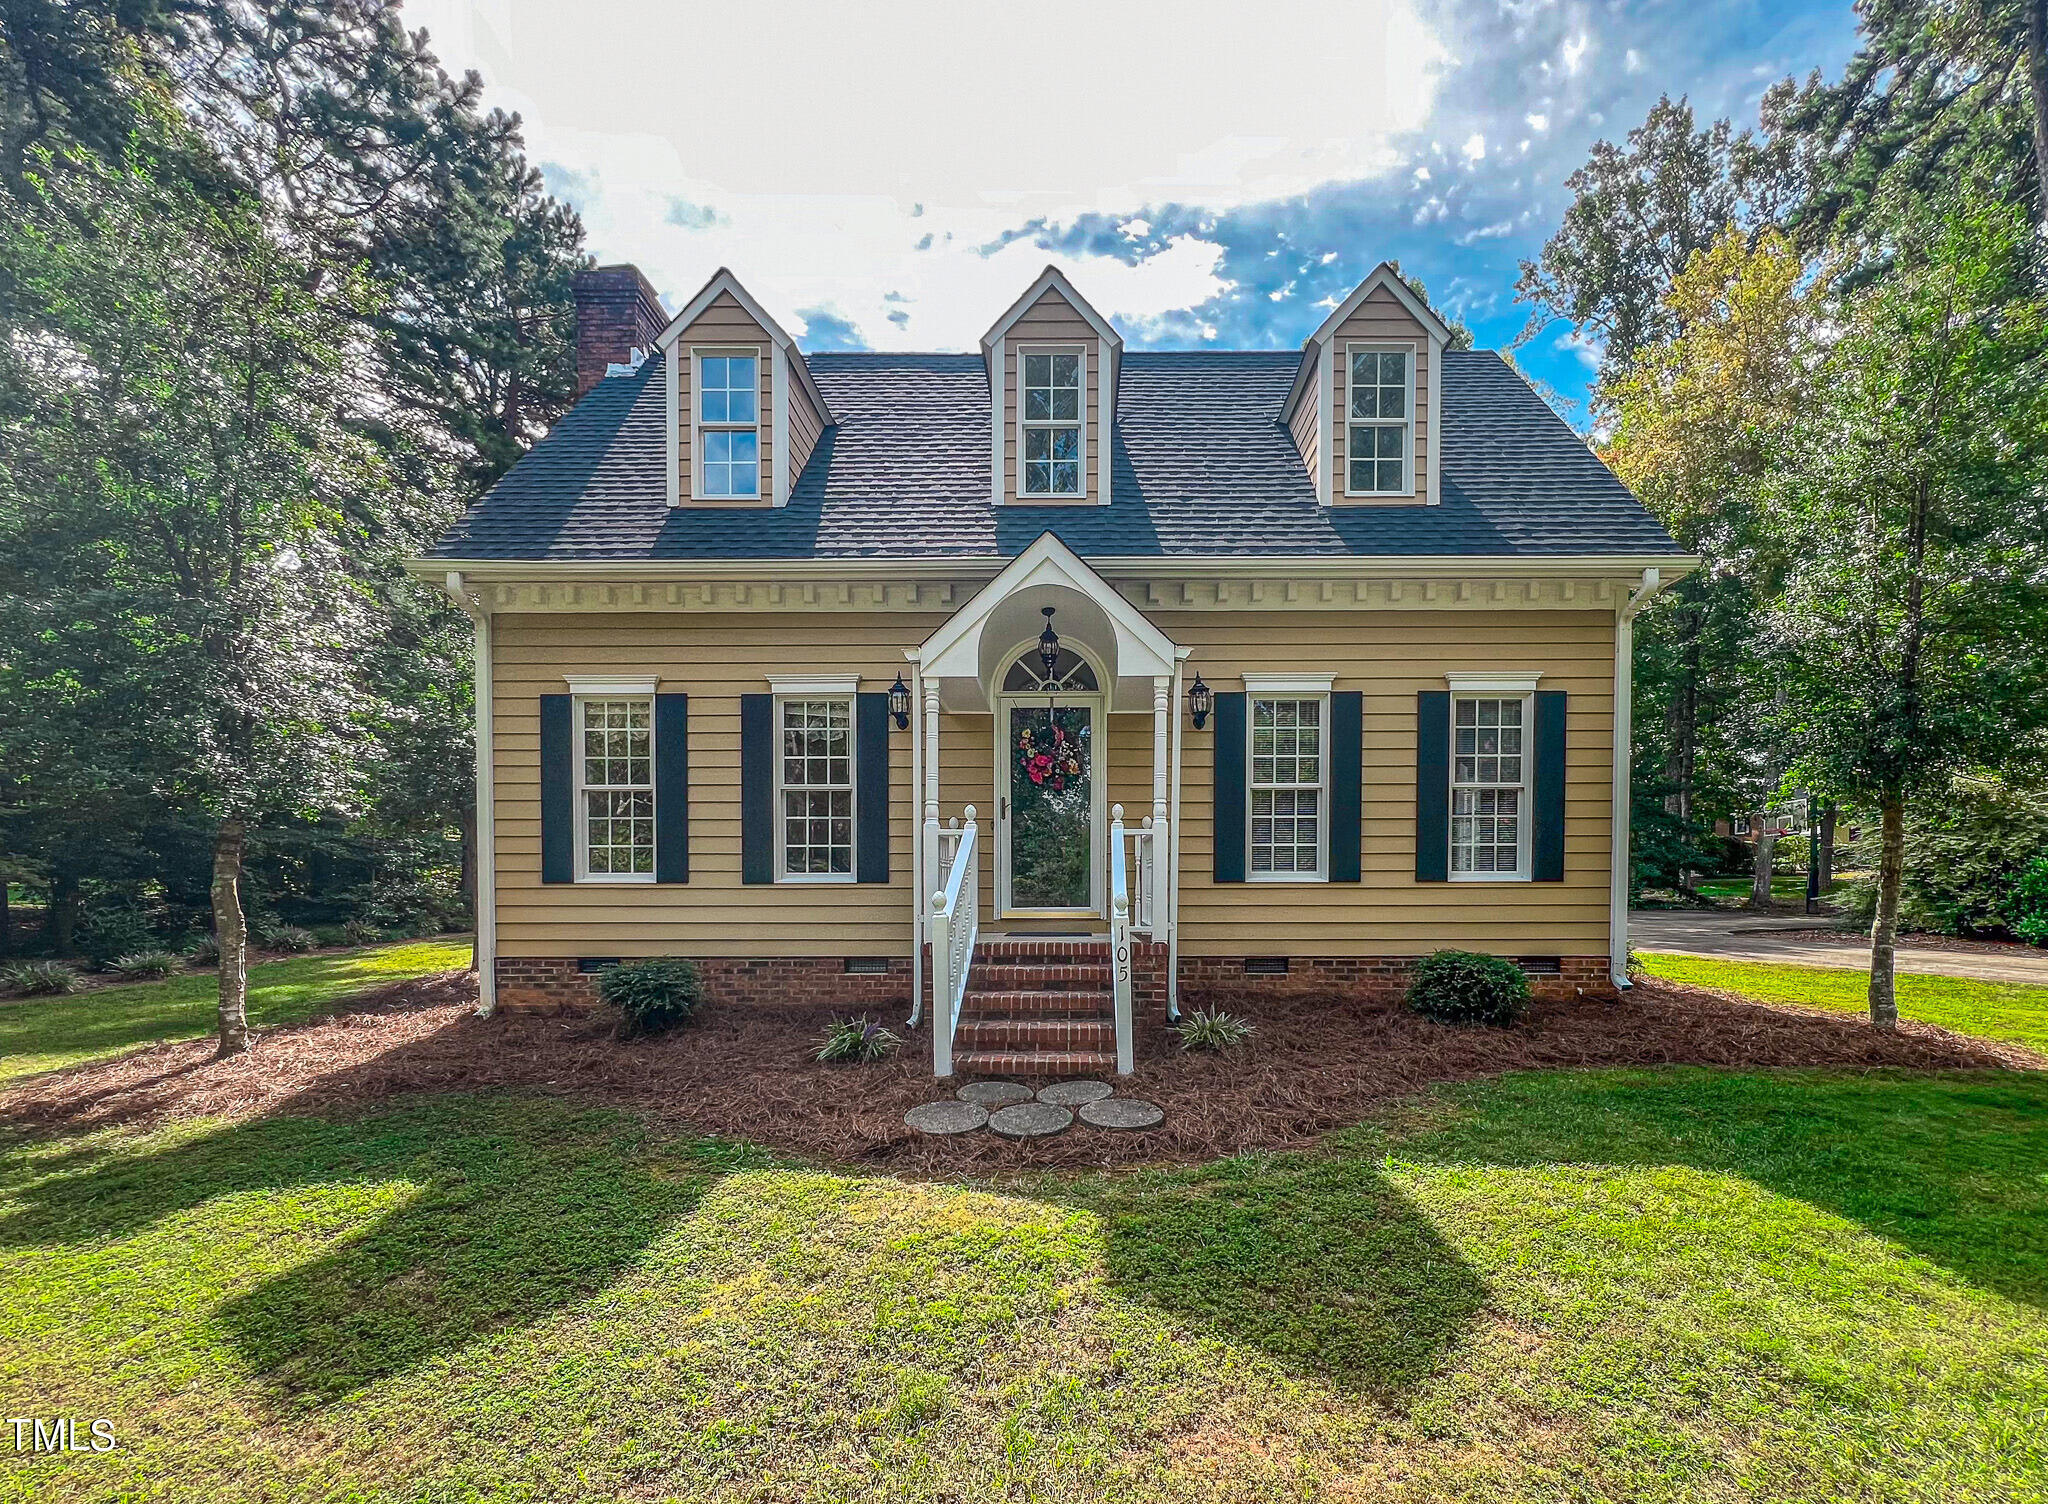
(1052, 278)
(722, 281)
(671, 360)
(996, 374)
(1303, 373)
(1385, 276)
(1436, 419)
(778, 390)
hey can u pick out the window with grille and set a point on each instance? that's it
(615, 787)
(1288, 769)
(814, 791)
(1052, 423)
(729, 426)
(1382, 419)
(1489, 788)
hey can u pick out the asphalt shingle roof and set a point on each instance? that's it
(1202, 467)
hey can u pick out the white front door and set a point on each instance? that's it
(1049, 818)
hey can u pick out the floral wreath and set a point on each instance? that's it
(1049, 757)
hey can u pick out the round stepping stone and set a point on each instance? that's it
(1030, 1120)
(1122, 1112)
(947, 1117)
(994, 1094)
(1073, 1093)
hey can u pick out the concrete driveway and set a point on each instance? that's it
(1729, 936)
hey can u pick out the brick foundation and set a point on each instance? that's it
(552, 982)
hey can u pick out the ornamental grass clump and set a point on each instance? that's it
(289, 938)
(147, 965)
(39, 978)
(1210, 1029)
(653, 996)
(1463, 987)
(855, 1041)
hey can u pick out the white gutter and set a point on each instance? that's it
(1180, 658)
(1624, 757)
(917, 889)
(486, 837)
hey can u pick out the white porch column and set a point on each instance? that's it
(933, 877)
(916, 854)
(1162, 711)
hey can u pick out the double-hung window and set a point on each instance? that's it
(1381, 421)
(1288, 786)
(1489, 787)
(615, 787)
(814, 788)
(1054, 438)
(729, 426)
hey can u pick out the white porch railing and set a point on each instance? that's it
(955, 925)
(1135, 904)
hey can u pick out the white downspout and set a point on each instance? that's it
(916, 847)
(1180, 658)
(472, 604)
(1624, 758)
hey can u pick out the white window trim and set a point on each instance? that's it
(1520, 687)
(804, 691)
(1345, 420)
(1052, 498)
(586, 687)
(763, 495)
(1289, 687)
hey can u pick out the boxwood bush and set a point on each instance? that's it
(1463, 987)
(653, 995)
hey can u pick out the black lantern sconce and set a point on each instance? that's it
(1201, 700)
(899, 702)
(1049, 646)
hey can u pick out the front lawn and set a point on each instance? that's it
(1991, 1010)
(1625, 1285)
(40, 1034)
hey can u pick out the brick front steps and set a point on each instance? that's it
(1037, 1008)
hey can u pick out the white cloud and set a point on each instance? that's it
(852, 133)
(1633, 61)
(1474, 149)
(1135, 229)
(1575, 51)
(1537, 122)
(1487, 232)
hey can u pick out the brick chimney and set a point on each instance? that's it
(616, 311)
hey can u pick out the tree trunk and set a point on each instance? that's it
(231, 933)
(2037, 88)
(60, 919)
(1824, 847)
(6, 920)
(1766, 850)
(1884, 928)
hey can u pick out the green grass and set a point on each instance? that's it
(2012, 1011)
(1787, 885)
(40, 1034)
(1645, 1286)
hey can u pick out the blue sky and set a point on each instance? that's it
(889, 176)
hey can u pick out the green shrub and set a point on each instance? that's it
(1462, 987)
(147, 965)
(360, 932)
(111, 932)
(39, 978)
(2029, 905)
(1967, 849)
(855, 1041)
(654, 995)
(205, 951)
(1210, 1029)
(289, 938)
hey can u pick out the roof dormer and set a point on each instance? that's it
(1052, 373)
(1364, 405)
(743, 412)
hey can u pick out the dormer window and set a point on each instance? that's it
(1053, 445)
(729, 425)
(1382, 421)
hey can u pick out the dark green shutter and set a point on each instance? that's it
(557, 789)
(1228, 836)
(671, 788)
(1347, 782)
(1547, 848)
(871, 791)
(1433, 786)
(757, 788)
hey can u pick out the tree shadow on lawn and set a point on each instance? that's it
(521, 1206)
(1948, 1165)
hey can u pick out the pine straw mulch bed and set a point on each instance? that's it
(1315, 1063)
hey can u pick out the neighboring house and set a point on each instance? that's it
(1343, 634)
